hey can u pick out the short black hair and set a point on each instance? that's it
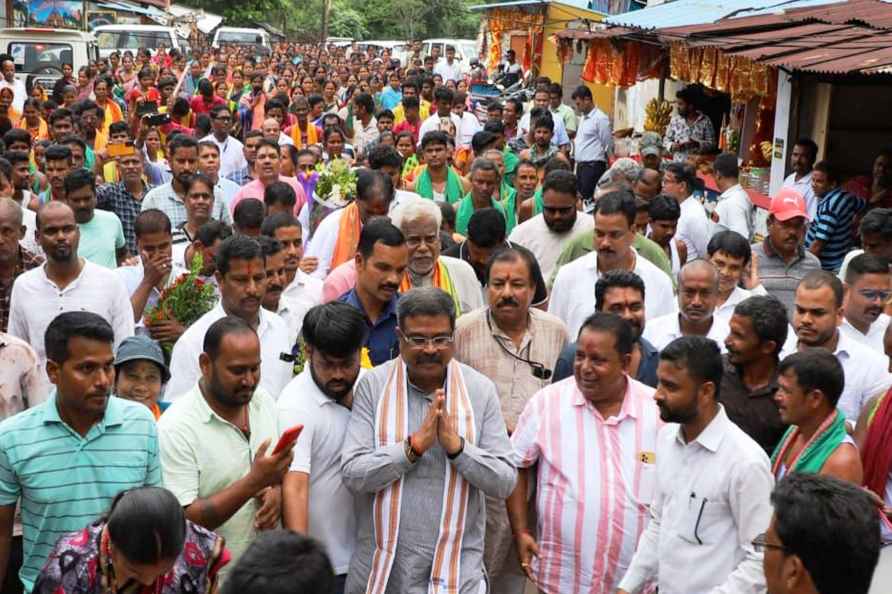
(581, 92)
(236, 247)
(664, 208)
(513, 255)
(147, 525)
(877, 221)
(208, 144)
(411, 103)
(281, 562)
(369, 181)
(732, 243)
(181, 141)
(624, 279)
(279, 193)
(17, 157)
(14, 135)
(685, 174)
(277, 221)
(79, 178)
(563, 182)
(809, 144)
(383, 155)
(486, 227)
(72, 139)
(768, 317)
(495, 127)
(543, 121)
(335, 328)
(700, 356)
(816, 369)
(822, 520)
(222, 328)
(817, 279)
(865, 264)
(118, 128)
(211, 231)
(556, 164)
(248, 214)
(829, 169)
(379, 229)
(443, 94)
(726, 165)
(624, 337)
(74, 324)
(482, 141)
(151, 220)
(434, 137)
(617, 202)
(58, 152)
(269, 246)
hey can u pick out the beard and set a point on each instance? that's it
(335, 390)
(226, 397)
(677, 415)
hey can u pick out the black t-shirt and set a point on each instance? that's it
(461, 251)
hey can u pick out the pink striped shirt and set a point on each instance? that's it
(595, 482)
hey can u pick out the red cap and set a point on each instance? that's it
(788, 204)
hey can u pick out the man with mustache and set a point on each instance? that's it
(425, 443)
(274, 256)
(558, 430)
(620, 292)
(217, 440)
(514, 345)
(868, 286)
(315, 500)
(783, 261)
(698, 294)
(101, 234)
(711, 497)
(241, 277)
(819, 312)
(66, 282)
(381, 259)
(758, 332)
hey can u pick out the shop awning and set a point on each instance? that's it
(148, 10)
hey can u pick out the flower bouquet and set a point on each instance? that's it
(335, 188)
(186, 300)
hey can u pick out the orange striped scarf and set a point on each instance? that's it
(311, 135)
(441, 280)
(348, 235)
(392, 426)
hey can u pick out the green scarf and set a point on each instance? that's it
(508, 200)
(823, 443)
(538, 202)
(424, 187)
(466, 209)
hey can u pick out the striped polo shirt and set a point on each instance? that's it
(66, 481)
(833, 226)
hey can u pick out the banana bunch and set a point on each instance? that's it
(766, 147)
(658, 115)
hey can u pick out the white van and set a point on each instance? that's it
(465, 49)
(40, 53)
(119, 38)
(241, 36)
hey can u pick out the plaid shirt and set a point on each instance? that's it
(118, 199)
(165, 199)
(241, 176)
(26, 261)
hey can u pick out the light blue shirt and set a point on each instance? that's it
(66, 481)
(101, 238)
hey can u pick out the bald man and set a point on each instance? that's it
(698, 295)
(273, 131)
(15, 259)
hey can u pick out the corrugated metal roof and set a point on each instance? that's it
(583, 4)
(681, 13)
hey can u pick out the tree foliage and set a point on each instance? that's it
(359, 19)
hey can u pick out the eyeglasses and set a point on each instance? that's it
(874, 295)
(438, 342)
(760, 543)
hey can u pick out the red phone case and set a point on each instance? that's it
(288, 437)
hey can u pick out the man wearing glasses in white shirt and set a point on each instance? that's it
(713, 486)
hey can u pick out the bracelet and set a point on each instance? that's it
(461, 448)
(411, 453)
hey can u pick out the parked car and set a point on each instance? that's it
(40, 53)
(241, 36)
(465, 49)
(119, 38)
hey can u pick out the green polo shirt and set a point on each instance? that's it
(584, 243)
(66, 481)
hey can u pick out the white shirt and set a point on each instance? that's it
(226, 189)
(448, 71)
(232, 154)
(470, 125)
(845, 263)
(803, 186)
(726, 309)
(36, 301)
(401, 198)
(693, 228)
(735, 211)
(573, 292)
(20, 94)
(664, 329)
(866, 374)
(363, 136)
(323, 242)
(432, 124)
(558, 139)
(874, 337)
(318, 453)
(274, 373)
(711, 501)
(594, 138)
(545, 244)
(296, 300)
(29, 221)
(285, 139)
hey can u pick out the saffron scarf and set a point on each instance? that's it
(392, 427)
(876, 456)
(312, 135)
(812, 457)
(40, 132)
(348, 235)
(424, 187)
(441, 280)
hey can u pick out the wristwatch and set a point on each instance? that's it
(411, 454)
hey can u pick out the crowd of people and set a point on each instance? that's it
(509, 356)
